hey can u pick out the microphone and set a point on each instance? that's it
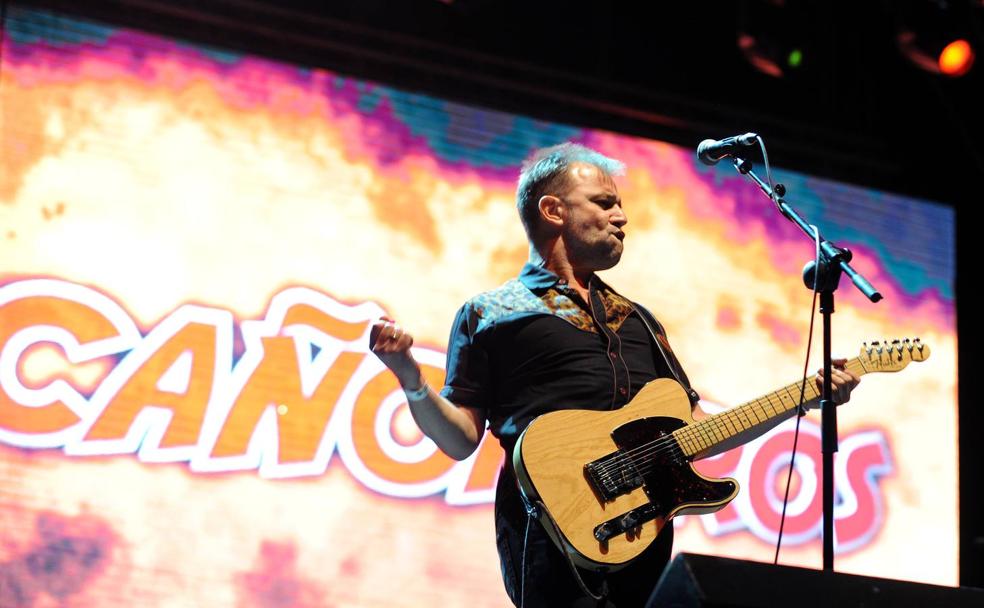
(712, 151)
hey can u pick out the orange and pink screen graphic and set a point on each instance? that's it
(196, 244)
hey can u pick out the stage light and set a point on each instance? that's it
(775, 39)
(934, 36)
(795, 58)
(956, 58)
(759, 56)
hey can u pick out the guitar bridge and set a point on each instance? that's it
(626, 522)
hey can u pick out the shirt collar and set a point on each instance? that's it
(537, 277)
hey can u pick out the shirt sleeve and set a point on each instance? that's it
(467, 380)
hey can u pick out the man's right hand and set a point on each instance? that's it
(391, 344)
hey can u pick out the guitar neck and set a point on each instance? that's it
(701, 436)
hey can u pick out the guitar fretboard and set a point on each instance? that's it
(701, 436)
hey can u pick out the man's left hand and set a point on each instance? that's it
(842, 381)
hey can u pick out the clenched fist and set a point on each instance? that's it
(391, 344)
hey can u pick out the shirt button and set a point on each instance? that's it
(622, 391)
(612, 354)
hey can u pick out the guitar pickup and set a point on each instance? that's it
(611, 476)
(626, 522)
(603, 484)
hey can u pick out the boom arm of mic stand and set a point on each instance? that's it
(832, 252)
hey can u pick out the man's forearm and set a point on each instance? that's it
(457, 431)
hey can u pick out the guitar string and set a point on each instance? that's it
(648, 451)
(693, 433)
(717, 425)
(730, 422)
(670, 442)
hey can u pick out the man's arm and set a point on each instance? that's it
(842, 382)
(457, 430)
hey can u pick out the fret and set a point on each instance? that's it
(708, 440)
(793, 395)
(769, 403)
(786, 400)
(811, 391)
(744, 412)
(725, 419)
(692, 444)
(696, 440)
(714, 430)
(684, 442)
(776, 402)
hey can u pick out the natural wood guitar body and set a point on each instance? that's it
(550, 459)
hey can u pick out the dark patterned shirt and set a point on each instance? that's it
(534, 345)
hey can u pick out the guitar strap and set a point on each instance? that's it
(657, 331)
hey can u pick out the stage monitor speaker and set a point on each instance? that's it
(703, 581)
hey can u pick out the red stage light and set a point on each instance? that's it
(956, 58)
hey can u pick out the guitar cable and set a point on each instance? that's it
(799, 416)
(806, 363)
(603, 591)
(522, 573)
(533, 511)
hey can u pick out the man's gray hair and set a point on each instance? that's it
(545, 172)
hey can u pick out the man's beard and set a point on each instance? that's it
(600, 255)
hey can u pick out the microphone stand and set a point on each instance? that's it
(833, 261)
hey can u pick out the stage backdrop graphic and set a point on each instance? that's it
(194, 244)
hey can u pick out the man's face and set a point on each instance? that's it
(593, 230)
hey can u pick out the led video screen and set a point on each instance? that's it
(195, 244)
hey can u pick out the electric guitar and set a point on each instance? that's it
(605, 483)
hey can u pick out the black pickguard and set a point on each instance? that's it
(668, 479)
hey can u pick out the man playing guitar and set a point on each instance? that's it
(555, 338)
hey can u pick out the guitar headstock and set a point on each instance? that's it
(892, 356)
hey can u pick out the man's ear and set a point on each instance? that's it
(553, 212)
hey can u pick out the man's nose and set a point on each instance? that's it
(618, 216)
